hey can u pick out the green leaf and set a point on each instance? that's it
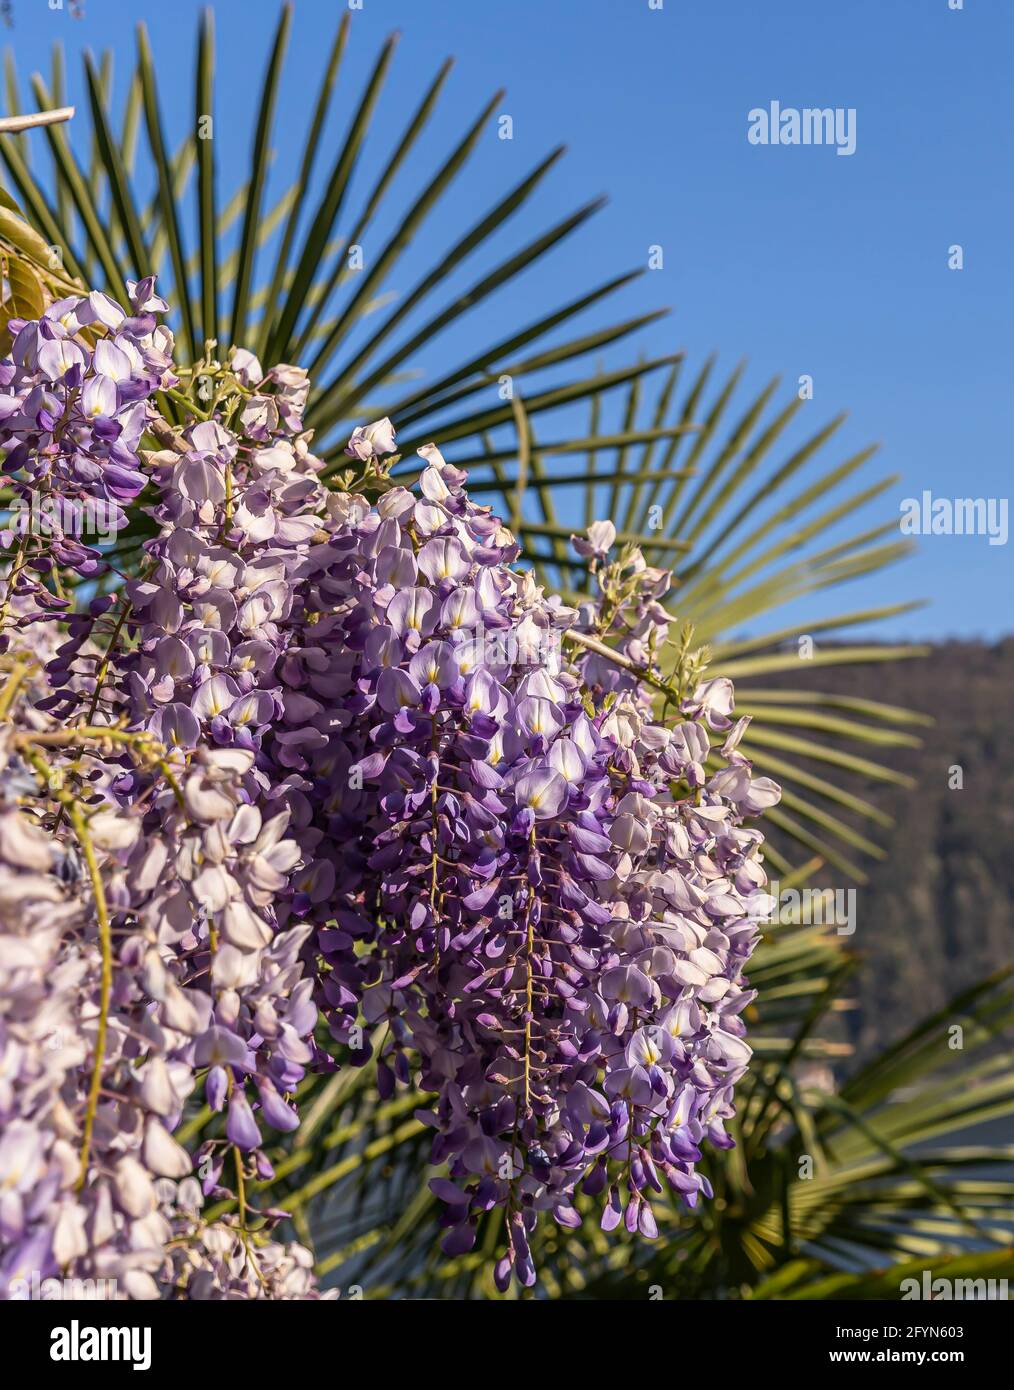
(258, 175)
(204, 112)
(328, 209)
(71, 178)
(117, 174)
(310, 150)
(167, 200)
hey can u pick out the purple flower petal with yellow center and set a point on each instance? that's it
(176, 726)
(649, 1046)
(541, 791)
(396, 690)
(628, 985)
(443, 558)
(539, 717)
(434, 664)
(412, 611)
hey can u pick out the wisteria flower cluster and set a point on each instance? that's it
(560, 900)
(329, 780)
(75, 399)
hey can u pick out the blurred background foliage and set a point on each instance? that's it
(848, 1172)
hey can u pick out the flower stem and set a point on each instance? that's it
(529, 948)
(78, 821)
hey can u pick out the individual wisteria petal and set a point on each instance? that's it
(601, 537)
(371, 441)
(240, 1125)
(541, 791)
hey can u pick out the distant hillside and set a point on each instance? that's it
(938, 914)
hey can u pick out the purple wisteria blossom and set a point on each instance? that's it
(75, 399)
(559, 903)
(119, 1002)
(355, 787)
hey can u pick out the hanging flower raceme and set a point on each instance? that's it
(561, 902)
(75, 400)
(101, 1034)
(327, 778)
(176, 974)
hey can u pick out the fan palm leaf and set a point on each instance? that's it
(700, 479)
(730, 565)
(293, 295)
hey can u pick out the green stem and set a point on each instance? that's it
(529, 948)
(80, 825)
(14, 682)
(17, 566)
(187, 403)
(106, 658)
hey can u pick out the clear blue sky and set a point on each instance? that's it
(796, 258)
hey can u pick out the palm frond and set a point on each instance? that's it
(292, 291)
(701, 480)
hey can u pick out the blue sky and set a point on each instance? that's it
(798, 259)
